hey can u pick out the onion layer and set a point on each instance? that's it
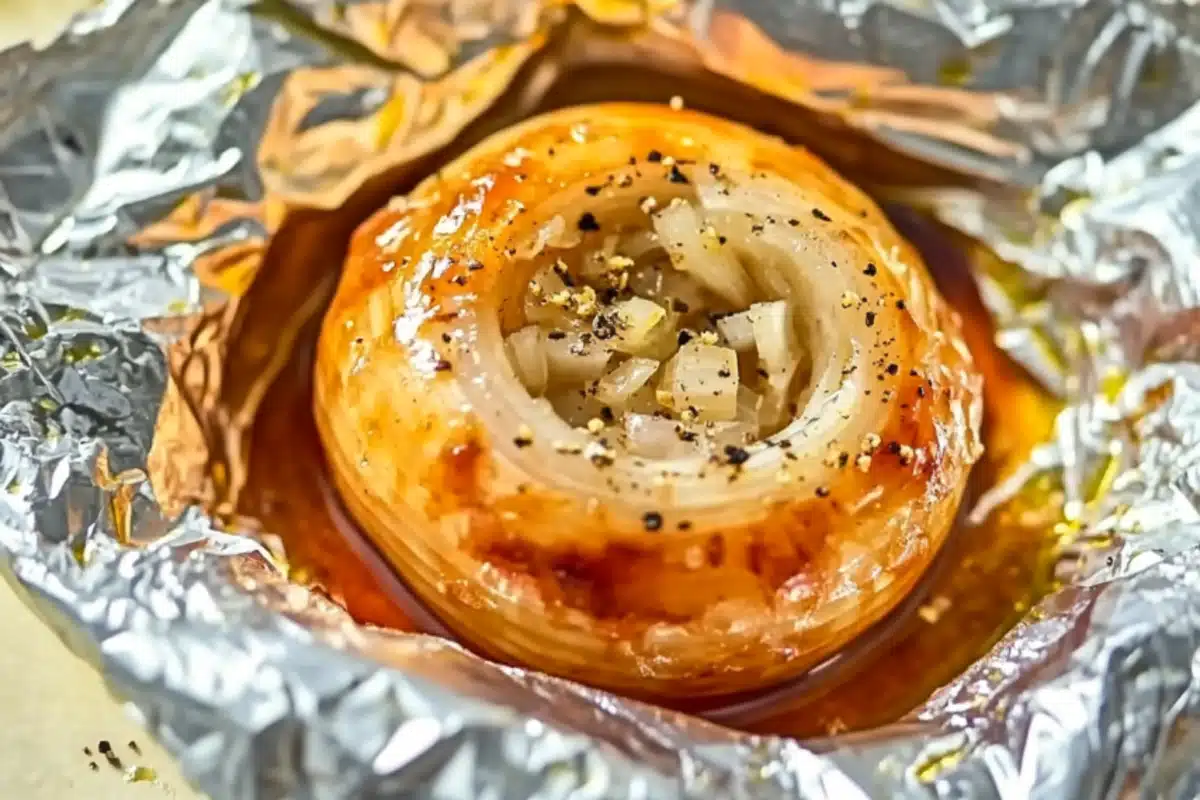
(758, 421)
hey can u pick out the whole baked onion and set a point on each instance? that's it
(646, 399)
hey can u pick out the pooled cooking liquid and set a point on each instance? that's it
(992, 572)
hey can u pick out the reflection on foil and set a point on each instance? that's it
(149, 157)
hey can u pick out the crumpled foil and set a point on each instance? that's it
(149, 155)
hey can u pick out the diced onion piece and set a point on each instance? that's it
(738, 330)
(576, 358)
(545, 284)
(576, 407)
(774, 409)
(748, 406)
(618, 387)
(657, 437)
(635, 321)
(642, 401)
(704, 379)
(695, 248)
(774, 335)
(528, 357)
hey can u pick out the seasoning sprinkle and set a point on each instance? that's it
(821, 215)
(736, 455)
(524, 437)
(652, 521)
(587, 222)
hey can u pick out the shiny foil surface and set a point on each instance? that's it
(148, 158)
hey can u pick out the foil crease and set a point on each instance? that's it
(147, 157)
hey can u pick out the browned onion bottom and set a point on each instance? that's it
(740, 710)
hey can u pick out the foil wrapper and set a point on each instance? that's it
(150, 157)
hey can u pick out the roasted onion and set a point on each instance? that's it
(646, 399)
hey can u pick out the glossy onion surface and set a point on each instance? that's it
(646, 399)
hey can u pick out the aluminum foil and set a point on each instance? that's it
(148, 157)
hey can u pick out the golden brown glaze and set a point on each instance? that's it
(546, 559)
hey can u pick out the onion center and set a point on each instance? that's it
(665, 335)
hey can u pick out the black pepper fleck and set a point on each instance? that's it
(594, 190)
(870, 319)
(736, 455)
(870, 270)
(821, 215)
(822, 491)
(652, 521)
(522, 441)
(587, 222)
(683, 338)
(676, 176)
(654, 156)
(893, 369)
(556, 335)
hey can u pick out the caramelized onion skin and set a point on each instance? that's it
(630, 589)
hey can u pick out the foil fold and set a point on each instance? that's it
(147, 158)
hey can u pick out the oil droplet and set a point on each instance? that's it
(140, 774)
(955, 71)
(929, 771)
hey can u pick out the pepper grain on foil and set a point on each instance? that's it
(184, 199)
